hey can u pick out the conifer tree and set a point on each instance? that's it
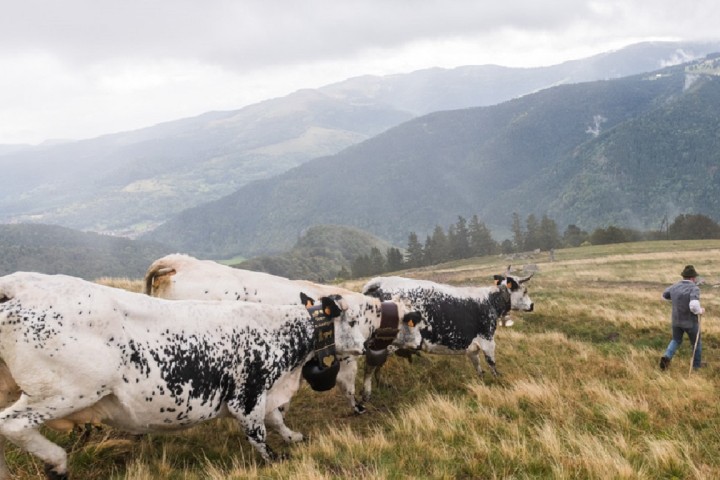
(377, 261)
(459, 242)
(394, 259)
(439, 248)
(518, 239)
(480, 238)
(548, 235)
(532, 233)
(414, 251)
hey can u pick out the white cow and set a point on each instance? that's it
(179, 276)
(79, 352)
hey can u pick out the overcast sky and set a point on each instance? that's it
(72, 69)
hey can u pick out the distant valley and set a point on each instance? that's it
(128, 183)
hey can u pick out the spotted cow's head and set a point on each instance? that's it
(349, 339)
(519, 298)
(408, 336)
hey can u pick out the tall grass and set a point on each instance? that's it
(581, 395)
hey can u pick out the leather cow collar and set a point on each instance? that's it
(376, 346)
(322, 369)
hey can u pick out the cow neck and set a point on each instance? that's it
(388, 330)
(323, 337)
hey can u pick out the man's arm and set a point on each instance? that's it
(695, 306)
(666, 294)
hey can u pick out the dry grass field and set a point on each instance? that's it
(580, 396)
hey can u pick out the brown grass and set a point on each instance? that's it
(581, 395)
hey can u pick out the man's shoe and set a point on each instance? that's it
(664, 363)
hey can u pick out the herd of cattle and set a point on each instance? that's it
(209, 341)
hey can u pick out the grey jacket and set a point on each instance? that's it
(683, 311)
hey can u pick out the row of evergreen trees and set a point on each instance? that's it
(465, 239)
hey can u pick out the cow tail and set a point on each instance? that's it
(153, 272)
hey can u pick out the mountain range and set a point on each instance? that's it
(625, 151)
(128, 183)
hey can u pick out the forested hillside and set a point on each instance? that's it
(52, 249)
(320, 254)
(536, 154)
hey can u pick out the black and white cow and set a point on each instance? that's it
(180, 276)
(77, 352)
(456, 320)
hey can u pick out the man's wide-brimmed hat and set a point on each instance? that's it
(689, 272)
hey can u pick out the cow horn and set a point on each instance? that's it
(507, 272)
(525, 279)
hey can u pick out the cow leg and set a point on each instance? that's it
(346, 383)
(474, 356)
(253, 423)
(488, 348)
(367, 382)
(4, 472)
(275, 419)
(9, 394)
(19, 423)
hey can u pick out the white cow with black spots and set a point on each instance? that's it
(74, 351)
(456, 320)
(180, 276)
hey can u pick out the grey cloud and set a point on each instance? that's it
(256, 33)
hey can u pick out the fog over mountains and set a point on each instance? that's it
(396, 154)
(128, 183)
(622, 151)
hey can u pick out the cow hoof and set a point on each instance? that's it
(51, 474)
(360, 409)
(270, 456)
(295, 438)
(365, 397)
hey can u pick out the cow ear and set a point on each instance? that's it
(305, 300)
(330, 307)
(511, 284)
(498, 279)
(411, 319)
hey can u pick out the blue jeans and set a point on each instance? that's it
(677, 336)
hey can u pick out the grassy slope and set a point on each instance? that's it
(580, 397)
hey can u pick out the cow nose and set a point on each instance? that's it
(532, 306)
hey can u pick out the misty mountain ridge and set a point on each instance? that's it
(130, 182)
(625, 151)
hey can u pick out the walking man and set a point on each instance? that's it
(685, 297)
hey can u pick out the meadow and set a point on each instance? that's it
(580, 395)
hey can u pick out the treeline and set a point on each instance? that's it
(465, 239)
